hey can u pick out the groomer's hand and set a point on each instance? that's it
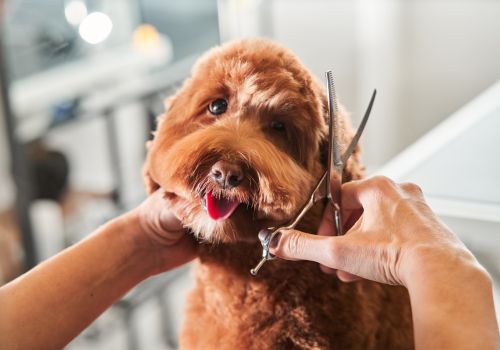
(394, 237)
(161, 233)
(392, 234)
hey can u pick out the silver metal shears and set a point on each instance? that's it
(330, 183)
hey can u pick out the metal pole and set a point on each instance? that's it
(115, 158)
(19, 163)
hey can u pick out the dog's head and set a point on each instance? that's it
(239, 146)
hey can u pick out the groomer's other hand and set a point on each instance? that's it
(393, 234)
(160, 232)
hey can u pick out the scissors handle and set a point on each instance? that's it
(317, 194)
(266, 235)
(256, 269)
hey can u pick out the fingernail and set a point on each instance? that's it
(275, 240)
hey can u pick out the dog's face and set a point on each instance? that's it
(238, 148)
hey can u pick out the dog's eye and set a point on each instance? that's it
(218, 106)
(278, 126)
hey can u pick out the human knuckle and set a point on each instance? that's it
(294, 243)
(334, 251)
(401, 205)
(412, 188)
(382, 182)
(386, 265)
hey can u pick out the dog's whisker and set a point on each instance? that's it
(197, 167)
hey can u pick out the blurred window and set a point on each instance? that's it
(40, 35)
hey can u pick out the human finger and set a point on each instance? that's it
(350, 217)
(364, 193)
(168, 221)
(345, 276)
(352, 254)
(297, 245)
(327, 228)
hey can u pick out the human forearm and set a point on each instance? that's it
(452, 304)
(54, 302)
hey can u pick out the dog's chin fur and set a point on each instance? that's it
(241, 226)
(263, 83)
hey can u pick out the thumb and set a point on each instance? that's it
(169, 222)
(297, 245)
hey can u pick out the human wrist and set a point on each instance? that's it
(432, 264)
(139, 250)
(449, 292)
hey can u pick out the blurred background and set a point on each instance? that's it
(82, 82)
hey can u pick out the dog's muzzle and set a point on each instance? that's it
(227, 175)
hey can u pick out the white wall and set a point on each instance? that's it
(427, 58)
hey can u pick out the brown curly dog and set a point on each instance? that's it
(238, 150)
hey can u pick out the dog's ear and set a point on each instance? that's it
(151, 185)
(168, 103)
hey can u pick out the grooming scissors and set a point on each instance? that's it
(329, 185)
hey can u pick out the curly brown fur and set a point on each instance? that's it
(290, 305)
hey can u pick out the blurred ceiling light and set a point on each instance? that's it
(95, 28)
(75, 11)
(145, 37)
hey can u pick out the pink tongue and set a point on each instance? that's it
(220, 208)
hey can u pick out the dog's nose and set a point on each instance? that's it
(227, 175)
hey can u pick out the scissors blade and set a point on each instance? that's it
(333, 146)
(335, 165)
(359, 132)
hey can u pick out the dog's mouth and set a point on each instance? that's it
(219, 208)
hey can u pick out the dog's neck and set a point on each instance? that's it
(240, 257)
